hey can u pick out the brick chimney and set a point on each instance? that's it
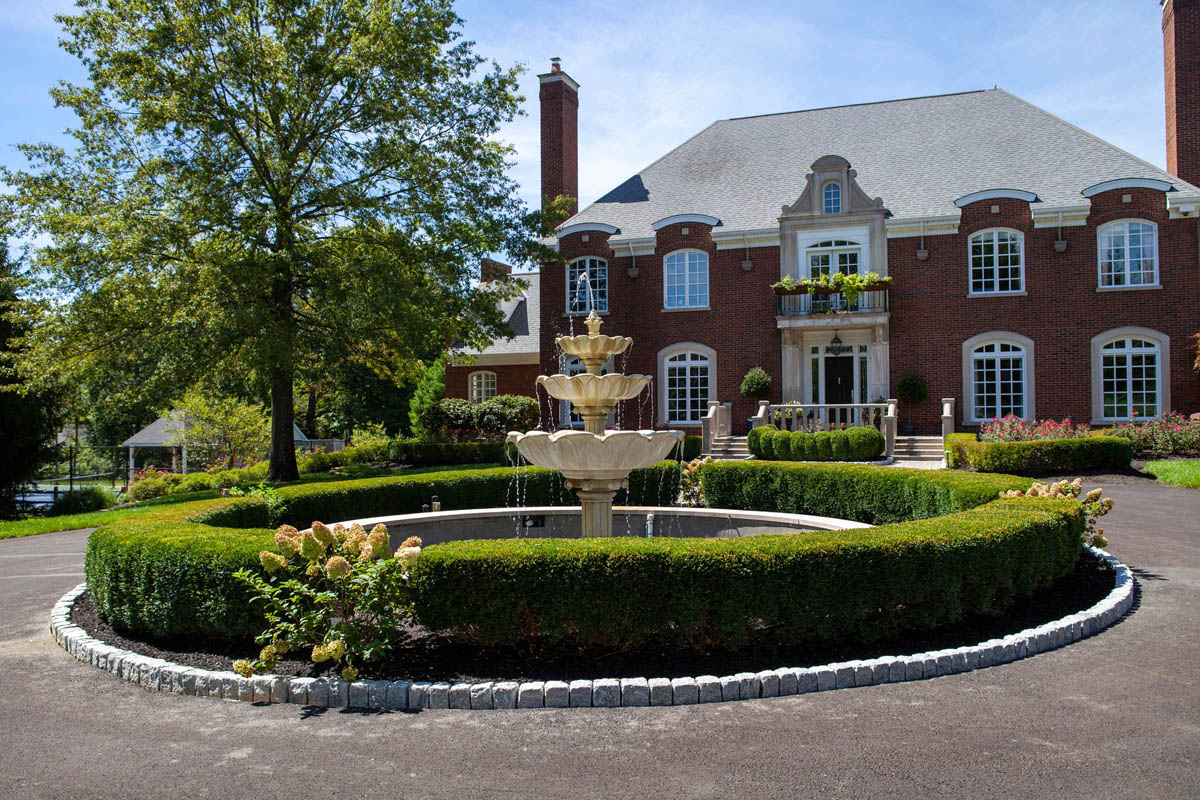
(1181, 59)
(560, 135)
(490, 269)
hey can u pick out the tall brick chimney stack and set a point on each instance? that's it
(560, 135)
(1181, 60)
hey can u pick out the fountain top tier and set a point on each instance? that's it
(593, 349)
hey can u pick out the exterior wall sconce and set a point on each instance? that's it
(1060, 245)
(922, 254)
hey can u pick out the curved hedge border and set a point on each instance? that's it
(860, 443)
(168, 573)
(1041, 457)
(164, 676)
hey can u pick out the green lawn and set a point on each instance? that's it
(70, 522)
(1180, 472)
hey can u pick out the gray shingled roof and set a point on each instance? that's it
(919, 155)
(160, 433)
(523, 315)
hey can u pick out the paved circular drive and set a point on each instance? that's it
(1115, 715)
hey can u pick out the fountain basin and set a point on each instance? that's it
(582, 456)
(564, 522)
(593, 391)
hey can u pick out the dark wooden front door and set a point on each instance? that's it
(839, 380)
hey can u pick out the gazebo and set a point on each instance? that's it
(161, 433)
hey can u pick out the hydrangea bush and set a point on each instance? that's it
(1170, 434)
(339, 591)
(1093, 505)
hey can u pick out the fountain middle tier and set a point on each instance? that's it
(594, 391)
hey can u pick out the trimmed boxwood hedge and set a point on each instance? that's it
(809, 589)
(1041, 457)
(168, 573)
(860, 443)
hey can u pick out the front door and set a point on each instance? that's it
(839, 380)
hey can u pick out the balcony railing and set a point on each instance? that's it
(796, 305)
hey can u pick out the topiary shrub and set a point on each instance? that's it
(853, 444)
(911, 389)
(824, 445)
(839, 445)
(756, 383)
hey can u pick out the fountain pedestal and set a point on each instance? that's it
(595, 462)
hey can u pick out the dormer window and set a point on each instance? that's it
(831, 198)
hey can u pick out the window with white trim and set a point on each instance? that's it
(1129, 378)
(835, 255)
(483, 386)
(998, 381)
(997, 262)
(577, 292)
(685, 279)
(1128, 251)
(831, 198)
(687, 381)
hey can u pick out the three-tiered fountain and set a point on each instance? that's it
(595, 461)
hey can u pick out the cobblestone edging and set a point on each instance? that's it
(165, 676)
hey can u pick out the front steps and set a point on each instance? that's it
(729, 448)
(919, 448)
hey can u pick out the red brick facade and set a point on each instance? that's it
(1181, 56)
(510, 379)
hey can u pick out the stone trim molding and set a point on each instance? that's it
(996, 194)
(164, 676)
(1127, 183)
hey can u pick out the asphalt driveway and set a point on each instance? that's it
(1117, 715)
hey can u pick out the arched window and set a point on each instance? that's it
(687, 375)
(997, 262)
(831, 198)
(1130, 377)
(1128, 252)
(577, 293)
(997, 377)
(685, 279)
(482, 386)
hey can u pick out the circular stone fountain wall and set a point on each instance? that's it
(564, 522)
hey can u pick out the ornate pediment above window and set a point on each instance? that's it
(831, 188)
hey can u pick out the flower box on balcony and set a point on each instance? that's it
(785, 291)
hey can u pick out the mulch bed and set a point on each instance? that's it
(430, 656)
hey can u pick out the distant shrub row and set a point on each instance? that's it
(852, 444)
(1041, 457)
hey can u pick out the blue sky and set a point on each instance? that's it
(652, 74)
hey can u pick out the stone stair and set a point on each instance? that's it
(919, 448)
(729, 448)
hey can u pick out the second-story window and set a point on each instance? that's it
(577, 291)
(1128, 254)
(685, 279)
(997, 262)
(831, 198)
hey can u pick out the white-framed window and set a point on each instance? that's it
(997, 374)
(1128, 253)
(831, 198)
(687, 376)
(834, 255)
(482, 386)
(577, 294)
(997, 262)
(685, 279)
(1130, 378)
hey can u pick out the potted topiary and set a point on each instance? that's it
(756, 385)
(911, 390)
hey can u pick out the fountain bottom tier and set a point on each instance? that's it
(597, 465)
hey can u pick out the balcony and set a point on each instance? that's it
(803, 305)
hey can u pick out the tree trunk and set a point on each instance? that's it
(310, 415)
(283, 435)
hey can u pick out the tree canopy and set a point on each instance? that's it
(270, 187)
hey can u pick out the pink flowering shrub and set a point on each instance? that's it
(1170, 434)
(1015, 429)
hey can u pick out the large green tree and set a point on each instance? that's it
(261, 186)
